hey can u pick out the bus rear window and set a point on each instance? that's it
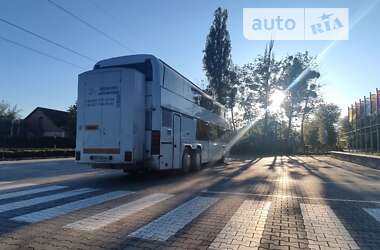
(144, 67)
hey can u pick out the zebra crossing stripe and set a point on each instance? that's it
(14, 186)
(169, 224)
(5, 182)
(43, 199)
(115, 214)
(245, 228)
(69, 207)
(30, 191)
(374, 212)
(322, 223)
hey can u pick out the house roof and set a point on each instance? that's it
(58, 117)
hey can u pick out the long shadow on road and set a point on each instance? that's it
(363, 228)
(174, 181)
(370, 173)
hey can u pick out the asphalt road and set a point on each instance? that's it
(281, 202)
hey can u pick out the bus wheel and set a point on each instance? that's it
(186, 160)
(196, 160)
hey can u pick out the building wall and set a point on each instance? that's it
(38, 124)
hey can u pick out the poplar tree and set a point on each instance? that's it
(217, 57)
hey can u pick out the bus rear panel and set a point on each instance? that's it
(110, 117)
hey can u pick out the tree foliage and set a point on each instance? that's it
(344, 127)
(8, 114)
(322, 132)
(72, 120)
(217, 57)
(302, 92)
(232, 89)
(258, 82)
(328, 116)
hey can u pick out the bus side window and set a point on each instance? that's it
(148, 120)
(213, 132)
(202, 130)
(167, 118)
(221, 133)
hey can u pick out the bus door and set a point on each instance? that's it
(177, 156)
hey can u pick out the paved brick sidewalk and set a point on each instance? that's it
(271, 203)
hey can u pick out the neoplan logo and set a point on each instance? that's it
(296, 23)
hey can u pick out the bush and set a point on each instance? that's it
(257, 146)
(36, 142)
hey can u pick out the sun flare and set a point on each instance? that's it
(277, 98)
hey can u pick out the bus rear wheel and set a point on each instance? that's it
(196, 160)
(186, 160)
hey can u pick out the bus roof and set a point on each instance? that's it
(140, 58)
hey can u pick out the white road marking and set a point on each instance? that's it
(322, 223)
(319, 182)
(14, 186)
(288, 196)
(374, 212)
(43, 199)
(245, 228)
(30, 191)
(5, 182)
(115, 214)
(69, 207)
(169, 224)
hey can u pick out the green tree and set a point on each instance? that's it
(310, 102)
(266, 78)
(217, 56)
(344, 128)
(233, 85)
(248, 92)
(311, 136)
(8, 114)
(327, 117)
(302, 91)
(259, 81)
(72, 121)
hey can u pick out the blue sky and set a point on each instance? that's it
(176, 32)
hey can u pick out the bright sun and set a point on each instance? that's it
(277, 99)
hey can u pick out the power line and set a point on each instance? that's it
(90, 25)
(46, 39)
(107, 13)
(40, 52)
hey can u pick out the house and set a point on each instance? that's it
(46, 122)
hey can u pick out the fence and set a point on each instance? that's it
(365, 136)
(364, 119)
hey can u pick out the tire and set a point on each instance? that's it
(196, 160)
(186, 160)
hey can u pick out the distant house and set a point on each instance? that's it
(46, 122)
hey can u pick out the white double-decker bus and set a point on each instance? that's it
(137, 112)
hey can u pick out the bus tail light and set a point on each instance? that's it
(128, 156)
(155, 142)
(77, 155)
